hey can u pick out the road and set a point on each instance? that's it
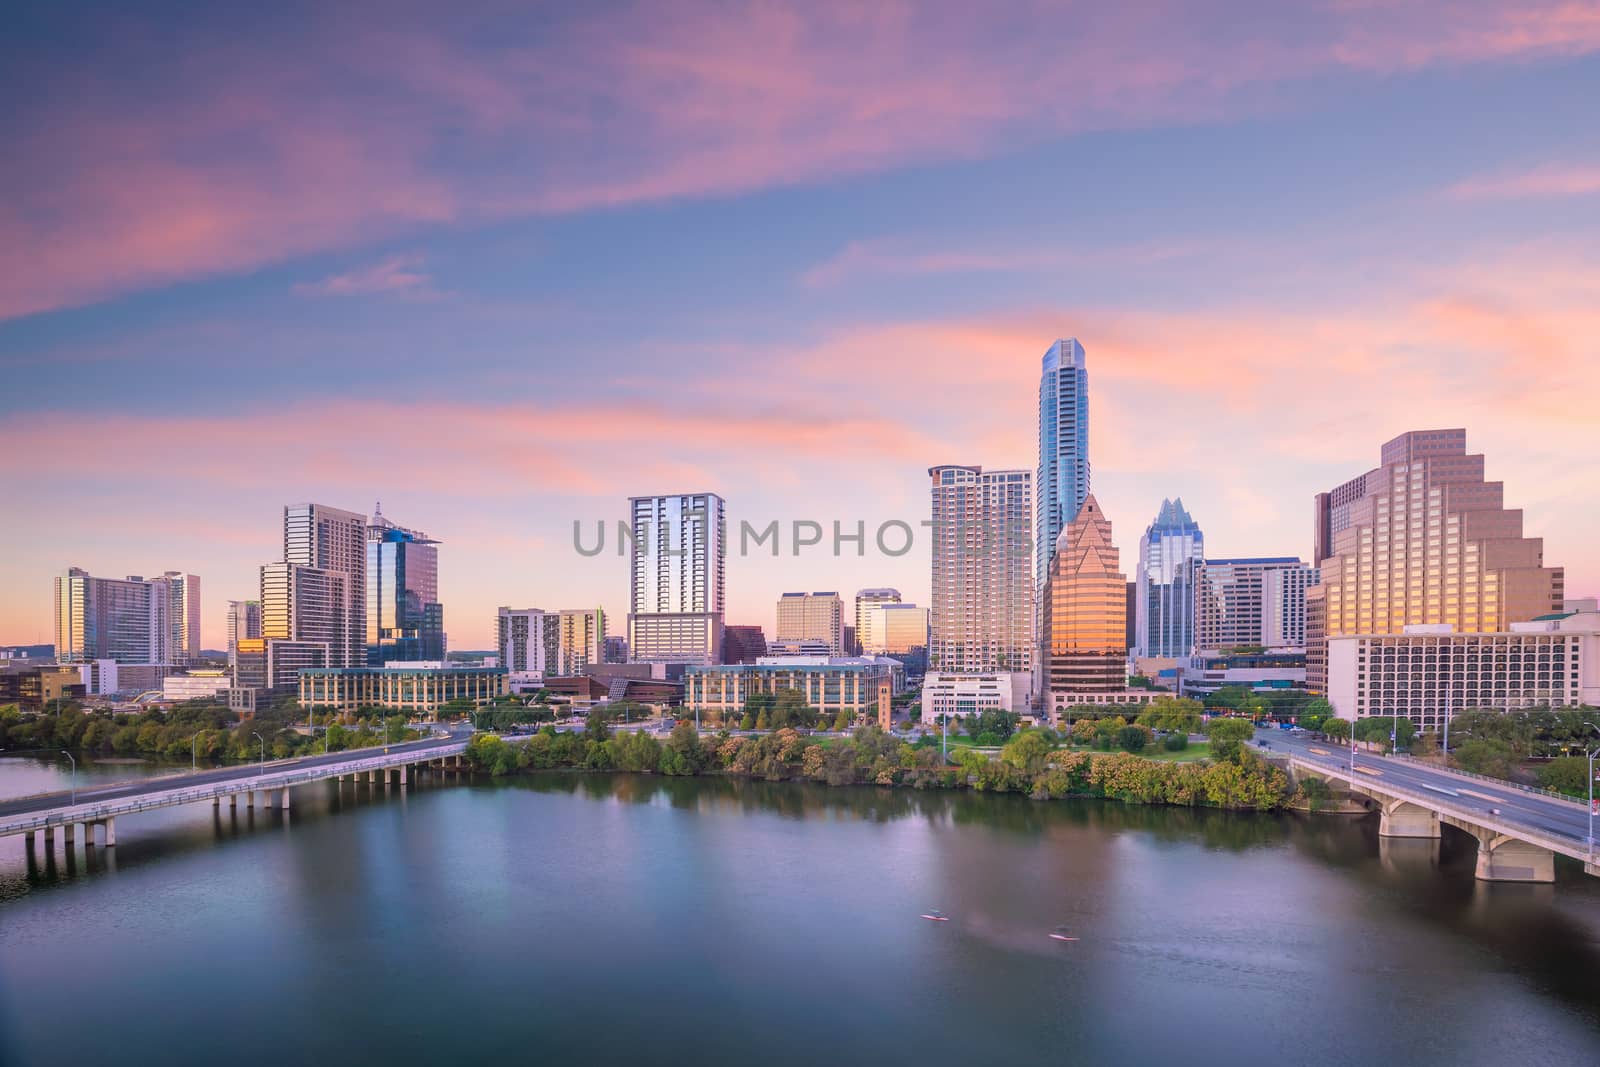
(1563, 817)
(137, 787)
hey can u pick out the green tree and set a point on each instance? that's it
(1228, 735)
(683, 753)
(1168, 714)
(1337, 729)
(1028, 751)
(1315, 713)
(1131, 739)
(1497, 759)
(1567, 774)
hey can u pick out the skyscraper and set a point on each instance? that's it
(244, 624)
(1062, 480)
(1245, 602)
(812, 617)
(982, 617)
(676, 578)
(1422, 539)
(1084, 616)
(1169, 559)
(130, 620)
(405, 620)
(313, 602)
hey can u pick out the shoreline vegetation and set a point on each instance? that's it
(1032, 763)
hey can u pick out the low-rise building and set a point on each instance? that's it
(415, 689)
(195, 685)
(944, 693)
(34, 688)
(1429, 671)
(1259, 672)
(861, 686)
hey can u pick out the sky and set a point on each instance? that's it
(501, 266)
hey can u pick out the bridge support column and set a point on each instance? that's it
(284, 800)
(29, 840)
(69, 835)
(233, 801)
(216, 800)
(88, 835)
(1403, 819)
(1507, 859)
(49, 839)
(111, 832)
(402, 774)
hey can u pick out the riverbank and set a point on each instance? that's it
(1026, 765)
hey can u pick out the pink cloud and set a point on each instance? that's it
(1557, 180)
(331, 134)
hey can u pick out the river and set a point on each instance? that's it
(615, 918)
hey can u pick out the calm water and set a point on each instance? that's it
(626, 919)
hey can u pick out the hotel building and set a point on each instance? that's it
(812, 617)
(1422, 540)
(982, 615)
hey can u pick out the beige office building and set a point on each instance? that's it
(1422, 540)
(982, 615)
(893, 629)
(1085, 611)
(812, 617)
(866, 600)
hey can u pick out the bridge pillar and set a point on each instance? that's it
(284, 801)
(69, 835)
(403, 774)
(233, 801)
(88, 834)
(1507, 859)
(1403, 819)
(111, 832)
(49, 838)
(29, 840)
(216, 800)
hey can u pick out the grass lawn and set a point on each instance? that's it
(1202, 750)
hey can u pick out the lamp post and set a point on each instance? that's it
(263, 741)
(1447, 735)
(69, 755)
(1590, 754)
(194, 752)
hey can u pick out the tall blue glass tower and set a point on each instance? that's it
(1170, 556)
(405, 620)
(1062, 481)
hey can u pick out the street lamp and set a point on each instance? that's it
(194, 752)
(1590, 754)
(69, 755)
(263, 741)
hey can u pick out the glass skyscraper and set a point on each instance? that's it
(405, 620)
(1170, 557)
(1062, 480)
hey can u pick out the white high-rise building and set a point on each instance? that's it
(676, 577)
(555, 643)
(812, 617)
(983, 599)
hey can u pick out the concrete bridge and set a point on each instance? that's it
(99, 807)
(1519, 831)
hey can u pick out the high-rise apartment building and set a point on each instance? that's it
(1249, 602)
(982, 616)
(812, 617)
(554, 643)
(1084, 616)
(405, 621)
(1062, 480)
(676, 576)
(1422, 539)
(1170, 554)
(131, 620)
(244, 624)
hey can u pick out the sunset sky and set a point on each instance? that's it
(500, 266)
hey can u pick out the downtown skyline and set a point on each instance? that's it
(1369, 232)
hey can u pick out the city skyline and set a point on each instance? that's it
(1396, 208)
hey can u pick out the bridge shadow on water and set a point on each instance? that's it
(168, 833)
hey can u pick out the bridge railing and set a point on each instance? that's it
(94, 811)
(1503, 783)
